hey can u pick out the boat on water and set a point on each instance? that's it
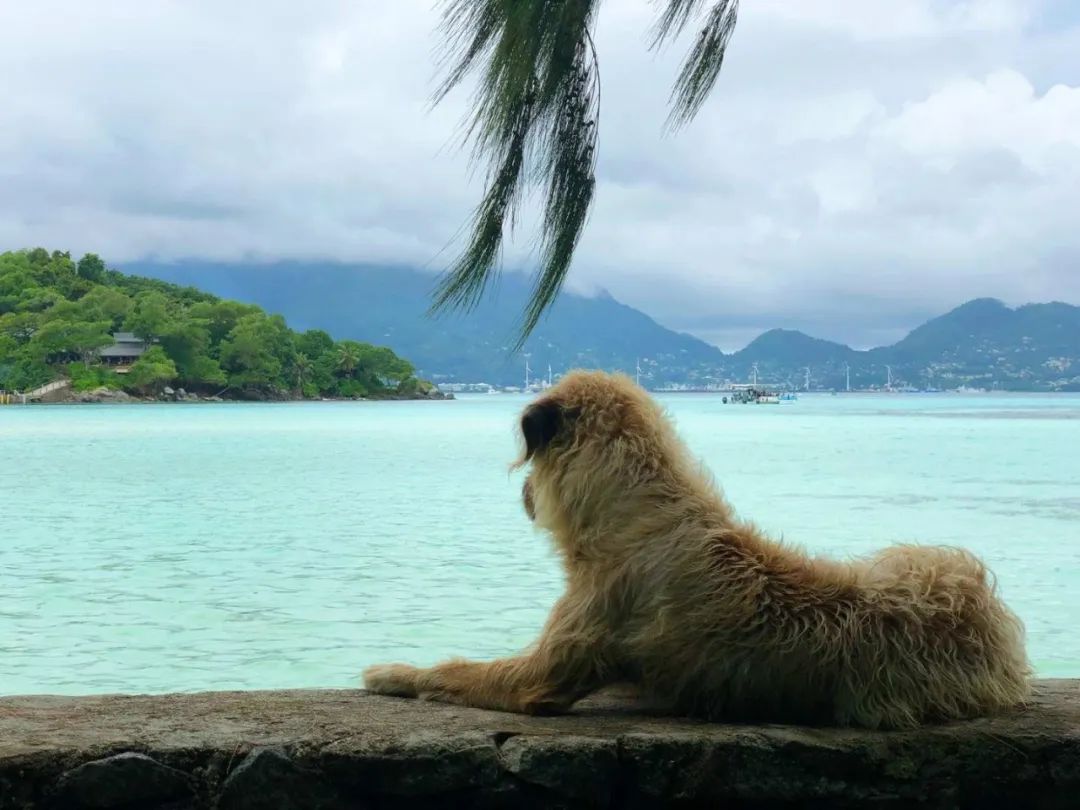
(752, 395)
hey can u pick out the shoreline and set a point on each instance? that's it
(108, 396)
(138, 401)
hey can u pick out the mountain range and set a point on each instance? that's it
(982, 343)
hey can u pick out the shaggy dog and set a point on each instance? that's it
(667, 589)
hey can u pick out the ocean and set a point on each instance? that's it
(158, 548)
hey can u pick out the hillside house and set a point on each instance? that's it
(126, 349)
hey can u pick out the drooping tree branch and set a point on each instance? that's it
(702, 66)
(535, 122)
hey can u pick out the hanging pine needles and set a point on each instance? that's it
(535, 122)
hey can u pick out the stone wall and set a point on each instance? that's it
(346, 749)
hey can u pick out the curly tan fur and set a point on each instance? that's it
(666, 588)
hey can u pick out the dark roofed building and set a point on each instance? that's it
(126, 349)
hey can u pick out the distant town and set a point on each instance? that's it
(532, 384)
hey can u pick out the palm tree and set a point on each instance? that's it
(535, 121)
(302, 368)
(348, 358)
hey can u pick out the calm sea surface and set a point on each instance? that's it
(161, 548)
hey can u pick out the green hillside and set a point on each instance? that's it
(59, 318)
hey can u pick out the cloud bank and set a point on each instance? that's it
(859, 167)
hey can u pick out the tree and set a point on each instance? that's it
(23, 373)
(252, 354)
(39, 257)
(53, 270)
(150, 317)
(203, 370)
(302, 368)
(314, 343)
(151, 371)
(105, 304)
(185, 341)
(221, 317)
(535, 120)
(60, 338)
(20, 326)
(38, 299)
(348, 357)
(382, 367)
(91, 267)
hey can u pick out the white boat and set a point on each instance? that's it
(752, 395)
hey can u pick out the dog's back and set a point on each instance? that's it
(758, 631)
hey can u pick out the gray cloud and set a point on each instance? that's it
(859, 167)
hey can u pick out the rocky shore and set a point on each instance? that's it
(343, 749)
(169, 394)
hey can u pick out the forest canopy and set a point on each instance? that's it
(58, 314)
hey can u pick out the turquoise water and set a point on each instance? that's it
(161, 548)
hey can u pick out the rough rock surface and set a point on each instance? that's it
(101, 394)
(347, 749)
(119, 780)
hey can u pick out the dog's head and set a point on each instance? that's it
(589, 434)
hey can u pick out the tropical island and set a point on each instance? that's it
(96, 334)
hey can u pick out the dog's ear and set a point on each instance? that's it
(540, 424)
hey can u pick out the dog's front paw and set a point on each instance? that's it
(398, 680)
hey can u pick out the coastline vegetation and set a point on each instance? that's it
(57, 314)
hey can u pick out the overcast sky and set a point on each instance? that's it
(861, 165)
